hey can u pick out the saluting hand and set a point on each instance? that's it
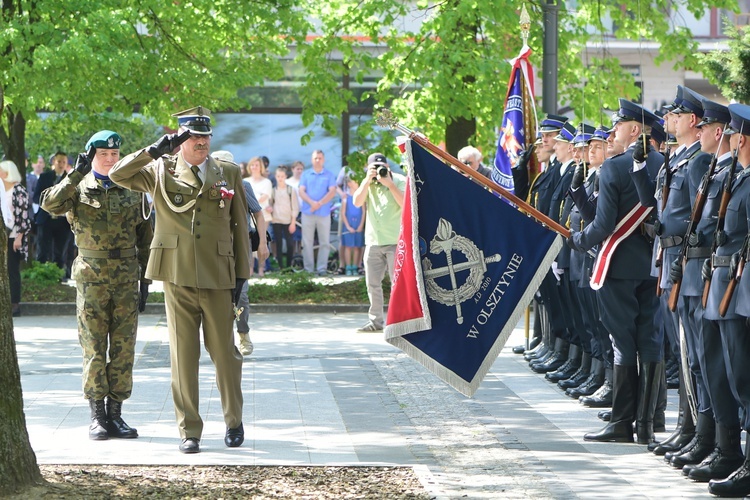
(167, 144)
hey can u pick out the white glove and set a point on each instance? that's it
(557, 272)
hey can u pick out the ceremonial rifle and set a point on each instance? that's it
(695, 217)
(719, 232)
(664, 196)
(724, 304)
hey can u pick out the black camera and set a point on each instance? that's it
(383, 172)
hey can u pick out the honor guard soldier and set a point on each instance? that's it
(540, 197)
(718, 401)
(725, 307)
(201, 251)
(623, 279)
(582, 192)
(113, 239)
(576, 149)
(672, 194)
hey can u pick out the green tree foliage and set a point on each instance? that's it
(86, 58)
(730, 70)
(453, 68)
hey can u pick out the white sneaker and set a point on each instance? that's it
(246, 345)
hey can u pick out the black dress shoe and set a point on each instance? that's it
(605, 415)
(190, 445)
(235, 437)
(519, 349)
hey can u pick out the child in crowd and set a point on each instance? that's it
(353, 234)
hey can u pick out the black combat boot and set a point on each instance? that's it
(737, 484)
(555, 361)
(580, 376)
(648, 394)
(569, 368)
(624, 395)
(725, 459)
(591, 384)
(98, 427)
(685, 429)
(700, 447)
(602, 398)
(116, 426)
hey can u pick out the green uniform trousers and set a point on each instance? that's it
(187, 308)
(107, 321)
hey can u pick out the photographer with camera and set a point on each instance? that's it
(383, 191)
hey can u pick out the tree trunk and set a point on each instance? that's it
(14, 142)
(18, 467)
(457, 134)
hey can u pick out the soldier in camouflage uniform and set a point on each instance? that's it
(113, 246)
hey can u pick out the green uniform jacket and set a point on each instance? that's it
(201, 236)
(101, 219)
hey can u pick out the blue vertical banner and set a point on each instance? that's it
(464, 273)
(519, 121)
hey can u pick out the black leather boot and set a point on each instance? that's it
(684, 431)
(591, 384)
(116, 426)
(649, 380)
(602, 398)
(555, 361)
(98, 427)
(700, 447)
(580, 376)
(569, 368)
(725, 459)
(624, 395)
(737, 484)
(660, 420)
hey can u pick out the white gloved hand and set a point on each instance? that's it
(556, 271)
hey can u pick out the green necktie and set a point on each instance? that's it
(196, 172)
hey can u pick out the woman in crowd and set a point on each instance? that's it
(14, 205)
(263, 190)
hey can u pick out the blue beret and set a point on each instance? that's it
(106, 139)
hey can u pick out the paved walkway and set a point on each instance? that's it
(318, 393)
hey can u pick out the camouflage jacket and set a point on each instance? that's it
(108, 226)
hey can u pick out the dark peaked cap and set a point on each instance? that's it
(197, 120)
(713, 112)
(692, 102)
(677, 100)
(552, 123)
(740, 123)
(632, 112)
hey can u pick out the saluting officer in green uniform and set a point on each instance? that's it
(113, 241)
(201, 251)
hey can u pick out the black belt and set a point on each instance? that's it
(698, 252)
(670, 241)
(720, 260)
(115, 253)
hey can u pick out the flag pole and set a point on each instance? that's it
(529, 132)
(385, 118)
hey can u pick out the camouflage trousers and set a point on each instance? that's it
(107, 324)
